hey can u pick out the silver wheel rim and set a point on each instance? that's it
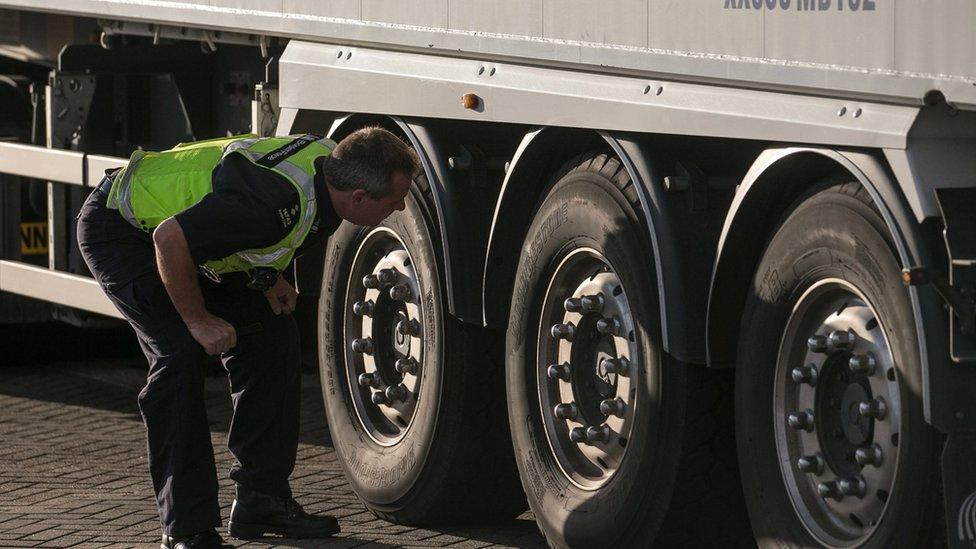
(383, 334)
(837, 413)
(586, 363)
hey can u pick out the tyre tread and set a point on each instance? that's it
(707, 489)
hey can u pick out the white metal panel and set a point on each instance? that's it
(833, 37)
(533, 95)
(345, 9)
(620, 22)
(42, 163)
(795, 75)
(97, 165)
(697, 26)
(421, 13)
(254, 5)
(522, 17)
(72, 290)
(936, 36)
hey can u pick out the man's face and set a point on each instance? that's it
(368, 211)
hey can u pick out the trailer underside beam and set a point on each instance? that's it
(66, 289)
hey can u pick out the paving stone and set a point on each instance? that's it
(71, 540)
(73, 469)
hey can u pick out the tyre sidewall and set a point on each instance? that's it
(584, 209)
(379, 474)
(831, 235)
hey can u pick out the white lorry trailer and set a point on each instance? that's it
(682, 272)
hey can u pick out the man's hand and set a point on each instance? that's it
(215, 334)
(282, 297)
(179, 275)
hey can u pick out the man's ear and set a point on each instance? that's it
(358, 196)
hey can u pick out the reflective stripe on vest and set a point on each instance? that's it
(291, 171)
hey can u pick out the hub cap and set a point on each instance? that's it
(384, 330)
(586, 368)
(837, 413)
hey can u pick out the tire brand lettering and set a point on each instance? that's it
(540, 480)
(429, 320)
(771, 287)
(525, 279)
(334, 261)
(377, 476)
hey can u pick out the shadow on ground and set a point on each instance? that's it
(72, 462)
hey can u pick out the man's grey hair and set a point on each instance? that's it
(367, 159)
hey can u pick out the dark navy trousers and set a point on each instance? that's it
(264, 370)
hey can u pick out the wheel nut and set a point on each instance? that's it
(817, 344)
(801, 420)
(566, 411)
(363, 308)
(371, 281)
(558, 371)
(608, 326)
(841, 340)
(406, 365)
(379, 398)
(811, 464)
(598, 434)
(869, 455)
(874, 408)
(829, 489)
(572, 305)
(363, 345)
(613, 407)
(388, 277)
(853, 486)
(619, 366)
(368, 380)
(591, 303)
(805, 374)
(577, 435)
(564, 331)
(862, 365)
(396, 393)
(408, 327)
(401, 292)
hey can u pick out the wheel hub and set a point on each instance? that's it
(587, 353)
(384, 334)
(836, 413)
(856, 428)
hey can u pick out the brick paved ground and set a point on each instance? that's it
(72, 454)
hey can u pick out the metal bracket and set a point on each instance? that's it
(264, 109)
(957, 206)
(961, 301)
(70, 96)
(689, 178)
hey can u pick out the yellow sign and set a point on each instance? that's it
(33, 238)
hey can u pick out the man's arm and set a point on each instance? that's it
(179, 275)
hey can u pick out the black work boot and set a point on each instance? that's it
(208, 539)
(255, 514)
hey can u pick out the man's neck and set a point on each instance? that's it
(337, 198)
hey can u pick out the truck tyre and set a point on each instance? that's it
(414, 397)
(600, 416)
(831, 437)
